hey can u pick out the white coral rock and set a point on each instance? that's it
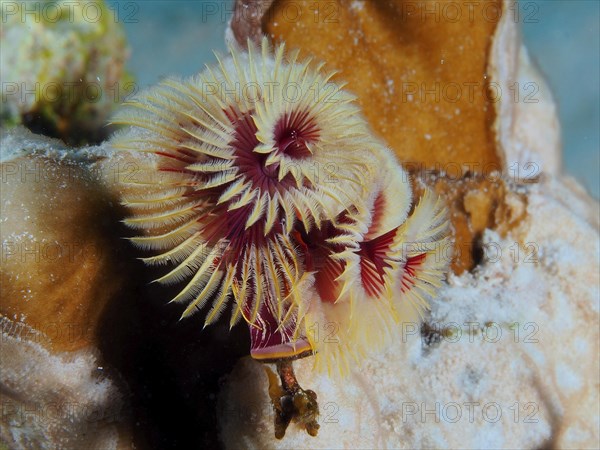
(517, 367)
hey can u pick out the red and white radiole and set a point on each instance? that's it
(275, 195)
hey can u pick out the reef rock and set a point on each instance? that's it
(505, 360)
(62, 264)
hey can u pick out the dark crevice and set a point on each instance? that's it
(171, 369)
